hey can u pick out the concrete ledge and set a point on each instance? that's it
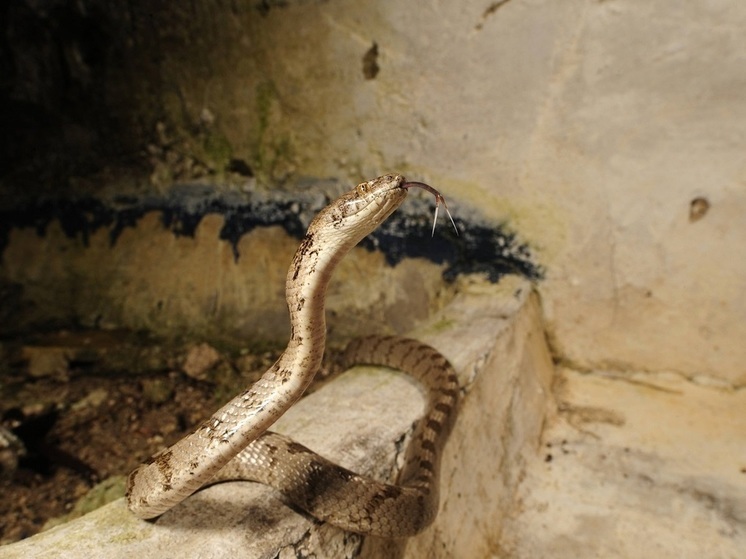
(493, 336)
(644, 465)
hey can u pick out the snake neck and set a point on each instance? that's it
(305, 291)
(328, 240)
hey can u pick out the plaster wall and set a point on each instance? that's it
(609, 134)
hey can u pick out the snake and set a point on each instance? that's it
(235, 443)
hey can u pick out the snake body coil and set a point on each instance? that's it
(234, 443)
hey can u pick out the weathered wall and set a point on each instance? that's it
(590, 127)
(193, 287)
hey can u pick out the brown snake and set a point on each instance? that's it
(234, 443)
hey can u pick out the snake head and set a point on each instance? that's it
(358, 212)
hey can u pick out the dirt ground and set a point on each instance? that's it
(80, 410)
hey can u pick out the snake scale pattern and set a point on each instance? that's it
(234, 443)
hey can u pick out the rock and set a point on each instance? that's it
(157, 390)
(46, 361)
(93, 399)
(199, 360)
(11, 450)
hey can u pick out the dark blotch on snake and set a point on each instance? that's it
(426, 465)
(443, 408)
(434, 426)
(303, 249)
(163, 463)
(387, 493)
(428, 445)
(296, 448)
(317, 481)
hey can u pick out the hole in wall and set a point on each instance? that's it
(370, 62)
(698, 208)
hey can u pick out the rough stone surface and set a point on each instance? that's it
(643, 466)
(577, 465)
(199, 360)
(494, 339)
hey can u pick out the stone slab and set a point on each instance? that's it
(492, 334)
